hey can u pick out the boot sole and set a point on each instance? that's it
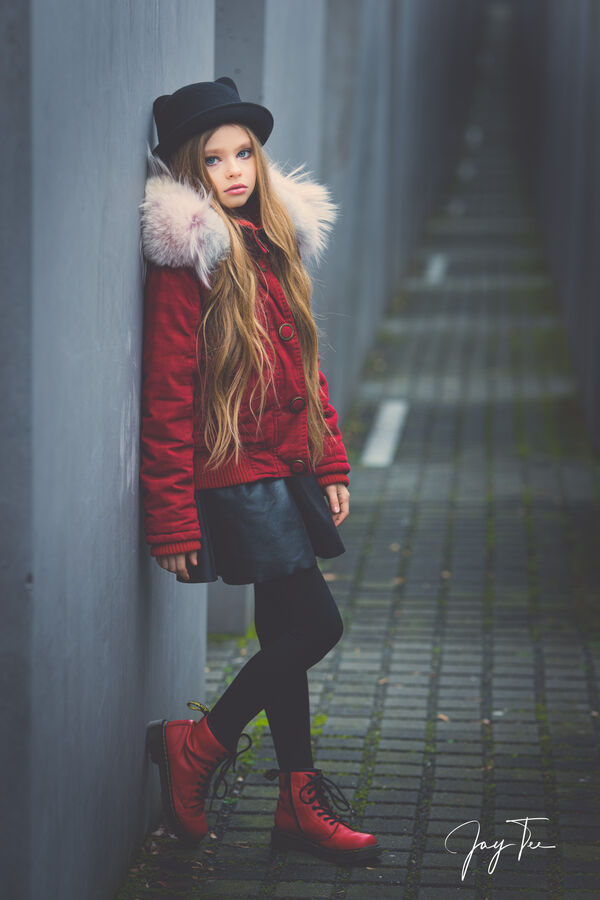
(156, 743)
(283, 840)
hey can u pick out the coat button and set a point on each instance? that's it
(298, 465)
(297, 404)
(286, 331)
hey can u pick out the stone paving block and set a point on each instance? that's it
(312, 890)
(449, 759)
(448, 813)
(526, 893)
(376, 824)
(367, 877)
(465, 892)
(403, 772)
(444, 878)
(450, 798)
(299, 867)
(378, 892)
(237, 833)
(229, 888)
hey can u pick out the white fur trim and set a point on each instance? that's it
(180, 228)
(310, 207)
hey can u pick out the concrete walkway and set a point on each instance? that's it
(465, 686)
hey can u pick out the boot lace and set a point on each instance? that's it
(323, 794)
(220, 785)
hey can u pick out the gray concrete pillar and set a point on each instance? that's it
(97, 639)
(15, 459)
(556, 89)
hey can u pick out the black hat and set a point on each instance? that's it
(198, 107)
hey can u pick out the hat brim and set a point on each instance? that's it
(256, 117)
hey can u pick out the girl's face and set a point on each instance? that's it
(230, 162)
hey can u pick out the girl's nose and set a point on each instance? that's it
(233, 168)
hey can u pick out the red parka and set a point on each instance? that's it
(183, 239)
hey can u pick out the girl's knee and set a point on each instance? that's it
(329, 634)
(336, 629)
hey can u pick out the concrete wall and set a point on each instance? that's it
(396, 91)
(557, 66)
(97, 639)
(16, 563)
(100, 638)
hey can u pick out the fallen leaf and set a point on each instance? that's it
(485, 721)
(394, 547)
(446, 573)
(329, 576)
(443, 717)
(383, 681)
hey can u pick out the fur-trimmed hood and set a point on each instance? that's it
(180, 228)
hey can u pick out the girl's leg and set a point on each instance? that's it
(288, 703)
(297, 622)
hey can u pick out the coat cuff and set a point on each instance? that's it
(178, 547)
(333, 478)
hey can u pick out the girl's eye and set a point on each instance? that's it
(208, 159)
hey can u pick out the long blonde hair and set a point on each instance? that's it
(237, 346)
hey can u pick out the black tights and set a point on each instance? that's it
(297, 623)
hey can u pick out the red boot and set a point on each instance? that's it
(187, 754)
(305, 820)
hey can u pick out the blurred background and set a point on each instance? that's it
(388, 103)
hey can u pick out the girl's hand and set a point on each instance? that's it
(176, 563)
(339, 501)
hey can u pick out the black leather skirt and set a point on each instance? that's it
(263, 529)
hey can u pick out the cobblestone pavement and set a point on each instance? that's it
(465, 686)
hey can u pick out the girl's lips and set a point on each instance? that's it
(236, 190)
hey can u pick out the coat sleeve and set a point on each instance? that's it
(172, 313)
(334, 467)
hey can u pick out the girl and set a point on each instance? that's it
(240, 443)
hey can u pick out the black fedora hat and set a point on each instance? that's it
(198, 107)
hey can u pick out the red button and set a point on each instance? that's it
(298, 465)
(297, 404)
(286, 331)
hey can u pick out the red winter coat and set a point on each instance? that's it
(183, 239)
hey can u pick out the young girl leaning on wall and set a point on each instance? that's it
(243, 473)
